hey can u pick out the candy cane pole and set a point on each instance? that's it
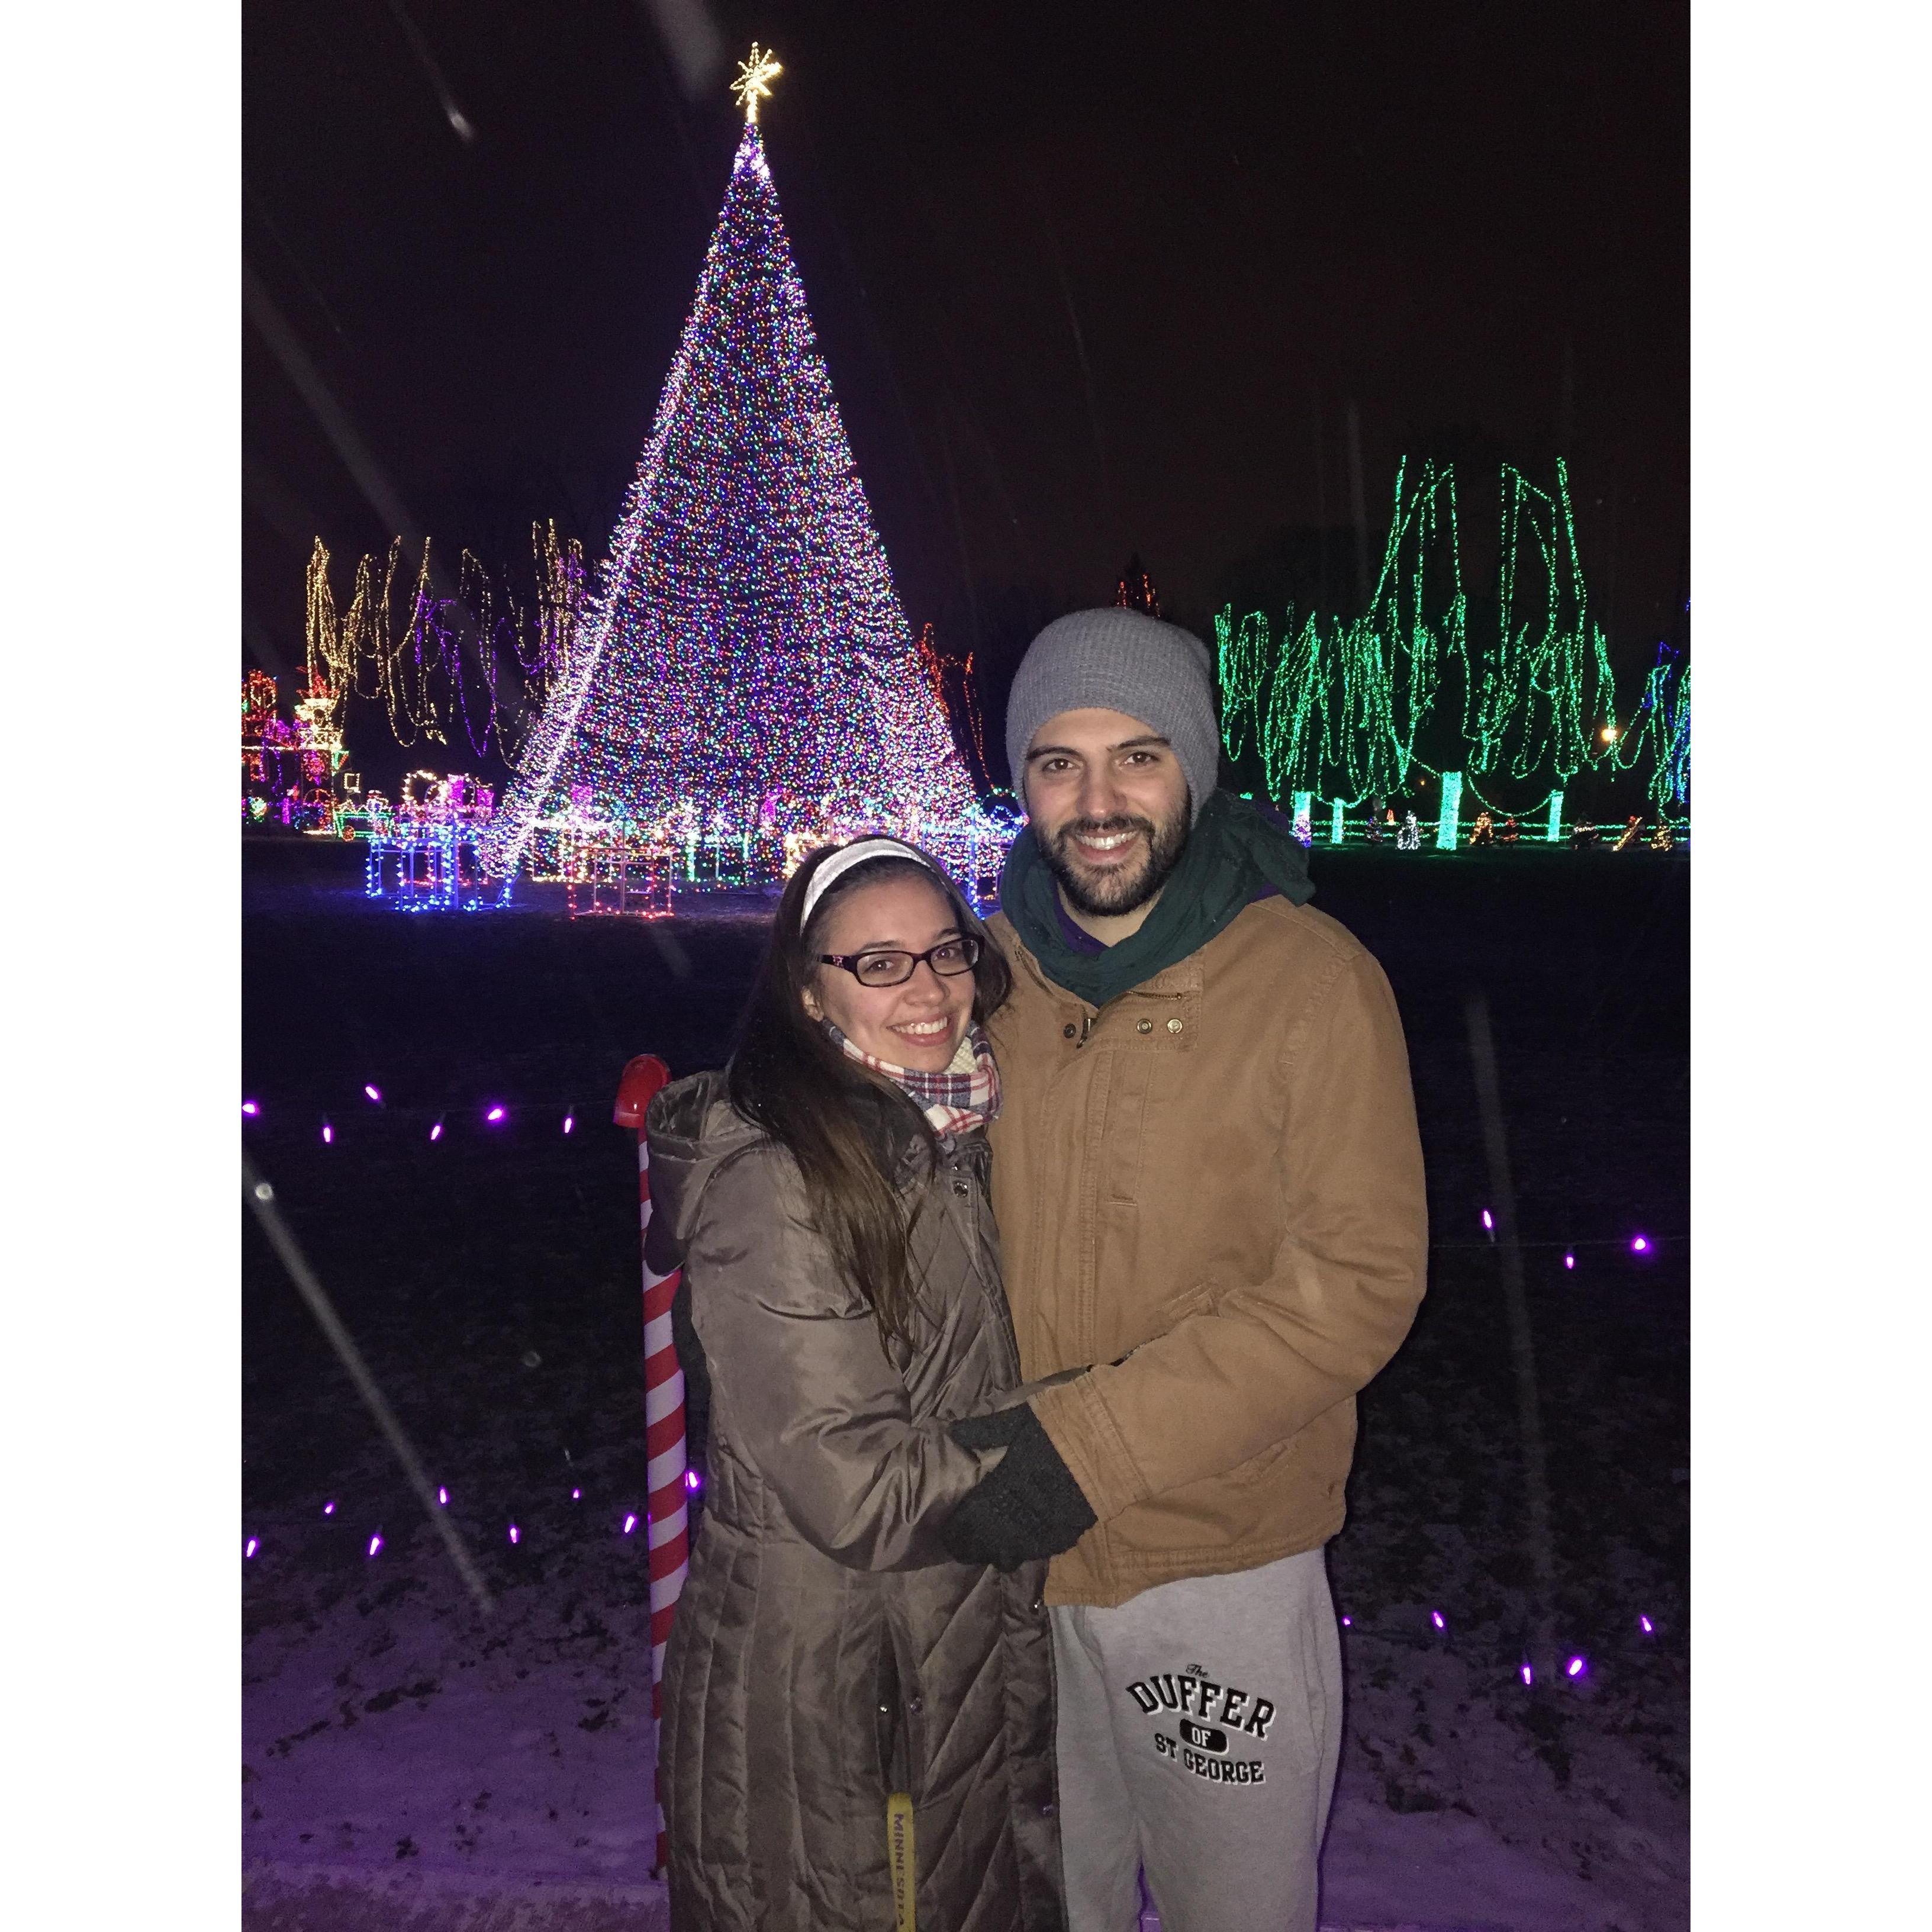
(664, 1505)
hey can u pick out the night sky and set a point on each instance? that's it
(1087, 281)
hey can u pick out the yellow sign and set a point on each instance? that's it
(904, 1866)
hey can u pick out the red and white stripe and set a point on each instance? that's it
(665, 1501)
(665, 1504)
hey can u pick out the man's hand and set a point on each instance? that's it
(1028, 1507)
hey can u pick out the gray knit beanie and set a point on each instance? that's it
(1119, 661)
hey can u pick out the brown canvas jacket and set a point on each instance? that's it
(1212, 1188)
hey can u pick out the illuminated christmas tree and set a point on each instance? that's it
(744, 669)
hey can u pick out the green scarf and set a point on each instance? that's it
(1234, 855)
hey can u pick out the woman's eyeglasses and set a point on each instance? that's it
(949, 958)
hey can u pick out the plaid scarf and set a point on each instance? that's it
(965, 1095)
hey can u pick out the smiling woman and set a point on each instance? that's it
(904, 990)
(826, 1198)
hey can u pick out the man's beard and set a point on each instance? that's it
(1126, 889)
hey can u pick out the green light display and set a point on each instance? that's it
(1449, 825)
(1343, 708)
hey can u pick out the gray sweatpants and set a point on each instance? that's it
(1199, 1725)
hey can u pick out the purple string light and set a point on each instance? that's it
(328, 1135)
(436, 1133)
(1578, 1666)
(1569, 1260)
(1489, 1222)
(495, 1114)
(253, 1546)
(375, 1094)
(1639, 1244)
(251, 1107)
(569, 1121)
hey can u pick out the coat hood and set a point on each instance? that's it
(694, 1130)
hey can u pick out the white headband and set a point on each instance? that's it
(856, 853)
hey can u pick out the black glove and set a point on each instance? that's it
(1028, 1508)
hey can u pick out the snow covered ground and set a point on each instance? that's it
(408, 1763)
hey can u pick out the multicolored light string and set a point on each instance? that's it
(746, 671)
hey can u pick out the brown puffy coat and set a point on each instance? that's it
(1212, 1188)
(825, 1651)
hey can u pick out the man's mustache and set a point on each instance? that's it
(1101, 827)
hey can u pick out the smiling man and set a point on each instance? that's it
(1209, 1194)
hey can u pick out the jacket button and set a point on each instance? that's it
(1174, 1026)
(1143, 1026)
(960, 1187)
(1046, 1810)
(915, 1705)
(1069, 1031)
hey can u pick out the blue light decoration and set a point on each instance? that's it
(426, 855)
(1553, 831)
(1335, 822)
(1447, 825)
(744, 685)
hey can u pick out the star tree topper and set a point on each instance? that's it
(754, 82)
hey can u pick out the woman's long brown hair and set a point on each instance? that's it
(845, 1126)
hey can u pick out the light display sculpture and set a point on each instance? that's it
(1354, 711)
(744, 673)
(423, 856)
